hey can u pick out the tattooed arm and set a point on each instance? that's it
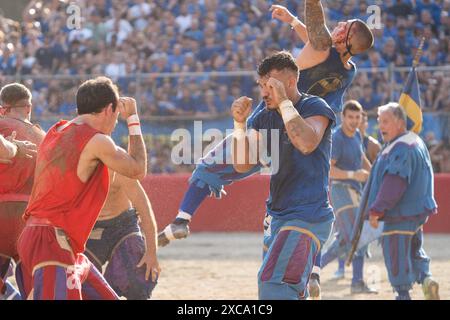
(319, 36)
(306, 134)
(317, 49)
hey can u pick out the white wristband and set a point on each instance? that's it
(288, 112)
(350, 174)
(239, 129)
(134, 125)
(295, 22)
(133, 118)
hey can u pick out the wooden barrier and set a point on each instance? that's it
(243, 208)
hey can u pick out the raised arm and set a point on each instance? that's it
(244, 157)
(282, 13)
(319, 36)
(132, 164)
(317, 49)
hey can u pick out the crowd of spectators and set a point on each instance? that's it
(53, 49)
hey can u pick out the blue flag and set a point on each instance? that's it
(410, 101)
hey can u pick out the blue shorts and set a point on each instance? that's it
(404, 255)
(290, 249)
(119, 242)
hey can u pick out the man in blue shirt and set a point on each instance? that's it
(326, 70)
(401, 194)
(325, 64)
(349, 169)
(298, 207)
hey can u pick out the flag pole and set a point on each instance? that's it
(419, 53)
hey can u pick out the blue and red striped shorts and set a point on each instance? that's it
(49, 270)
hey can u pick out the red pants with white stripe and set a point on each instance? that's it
(49, 270)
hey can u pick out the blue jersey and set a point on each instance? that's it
(328, 80)
(299, 190)
(408, 157)
(217, 175)
(347, 151)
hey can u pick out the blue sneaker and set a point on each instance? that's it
(339, 274)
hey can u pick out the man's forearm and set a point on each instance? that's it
(339, 174)
(137, 150)
(149, 227)
(301, 135)
(8, 150)
(300, 30)
(240, 153)
(391, 191)
(319, 36)
(147, 217)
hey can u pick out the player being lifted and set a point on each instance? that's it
(326, 70)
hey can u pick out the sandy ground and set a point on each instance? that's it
(211, 266)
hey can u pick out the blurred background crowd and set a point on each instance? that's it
(192, 58)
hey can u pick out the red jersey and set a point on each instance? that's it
(58, 194)
(16, 179)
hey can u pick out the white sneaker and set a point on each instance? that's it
(172, 232)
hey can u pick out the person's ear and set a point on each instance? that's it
(108, 109)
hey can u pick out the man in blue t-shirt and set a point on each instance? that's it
(326, 68)
(299, 213)
(349, 169)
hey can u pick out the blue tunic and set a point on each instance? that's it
(299, 190)
(408, 157)
(347, 151)
(328, 80)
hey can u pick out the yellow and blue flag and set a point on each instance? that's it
(410, 101)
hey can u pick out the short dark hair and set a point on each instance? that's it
(352, 105)
(13, 93)
(362, 37)
(95, 94)
(279, 61)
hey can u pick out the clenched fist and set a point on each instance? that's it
(127, 107)
(241, 108)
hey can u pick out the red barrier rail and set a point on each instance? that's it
(243, 208)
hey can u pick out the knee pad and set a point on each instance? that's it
(122, 272)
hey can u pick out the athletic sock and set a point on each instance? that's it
(358, 265)
(341, 263)
(192, 200)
